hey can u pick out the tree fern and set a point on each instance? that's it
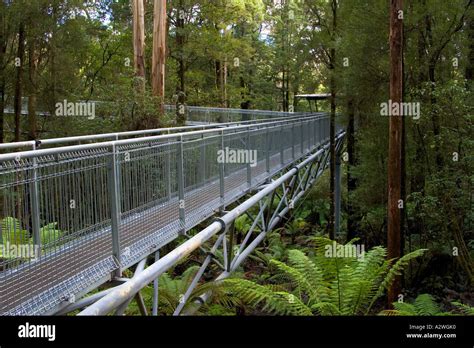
(324, 285)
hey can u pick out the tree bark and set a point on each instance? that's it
(470, 62)
(180, 45)
(351, 180)
(33, 66)
(139, 41)
(332, 127)
(395, 139)
(3, 48)
(159, 52)
(18, 82)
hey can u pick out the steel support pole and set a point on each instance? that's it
(182, 208)
(249, 168)
(282, 148)
(155, 289)
(302, 137)
(293, 141)
(114, 197)
(202, 162)
(267, 154)
(320, 131)
(222, 175)
(168, 170)
(35, 211)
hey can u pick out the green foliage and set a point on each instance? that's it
(13, 235)
(12, 231)
(322, 285)
(171, 292)
(49, 234)
(242, 224)
(425, 305)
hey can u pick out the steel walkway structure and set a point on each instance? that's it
(91, 211)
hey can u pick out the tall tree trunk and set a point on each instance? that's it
(434, 113)
(470, 62)
(351, 180)
(139, 81)
(3, 48)
(33, 66)
(223, 83)
(180, 45)
(18, 82)
(332, 127)
(159, 52)
(395, 139)
(2, 107)
(139, 42)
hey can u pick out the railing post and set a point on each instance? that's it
(222, 174)
(320, 132)
(168, 170)
(267, 154)
(35, 212)
(114, 198)
(302, 137)
(182, 207)
(293, 140)
(202, 162)
(249, 168)
(282, 148)
(155, 289)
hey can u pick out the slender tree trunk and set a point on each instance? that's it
(3, 48)
(180, 46)
(2, 107)
(351, 180)
(33, 66)
(470, 63)
(403, 190)
(223, 83)
(139, 42)
(18, 82)
(159, 52)
(139, 82)
(332, 127)
(395, 139)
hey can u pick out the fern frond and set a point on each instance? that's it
(467, 310)
(395, 271)
(312, 273)
(426, 305)
(279, 303)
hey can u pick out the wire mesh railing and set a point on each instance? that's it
(222, 115)
(206, 117)
(70, 216)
